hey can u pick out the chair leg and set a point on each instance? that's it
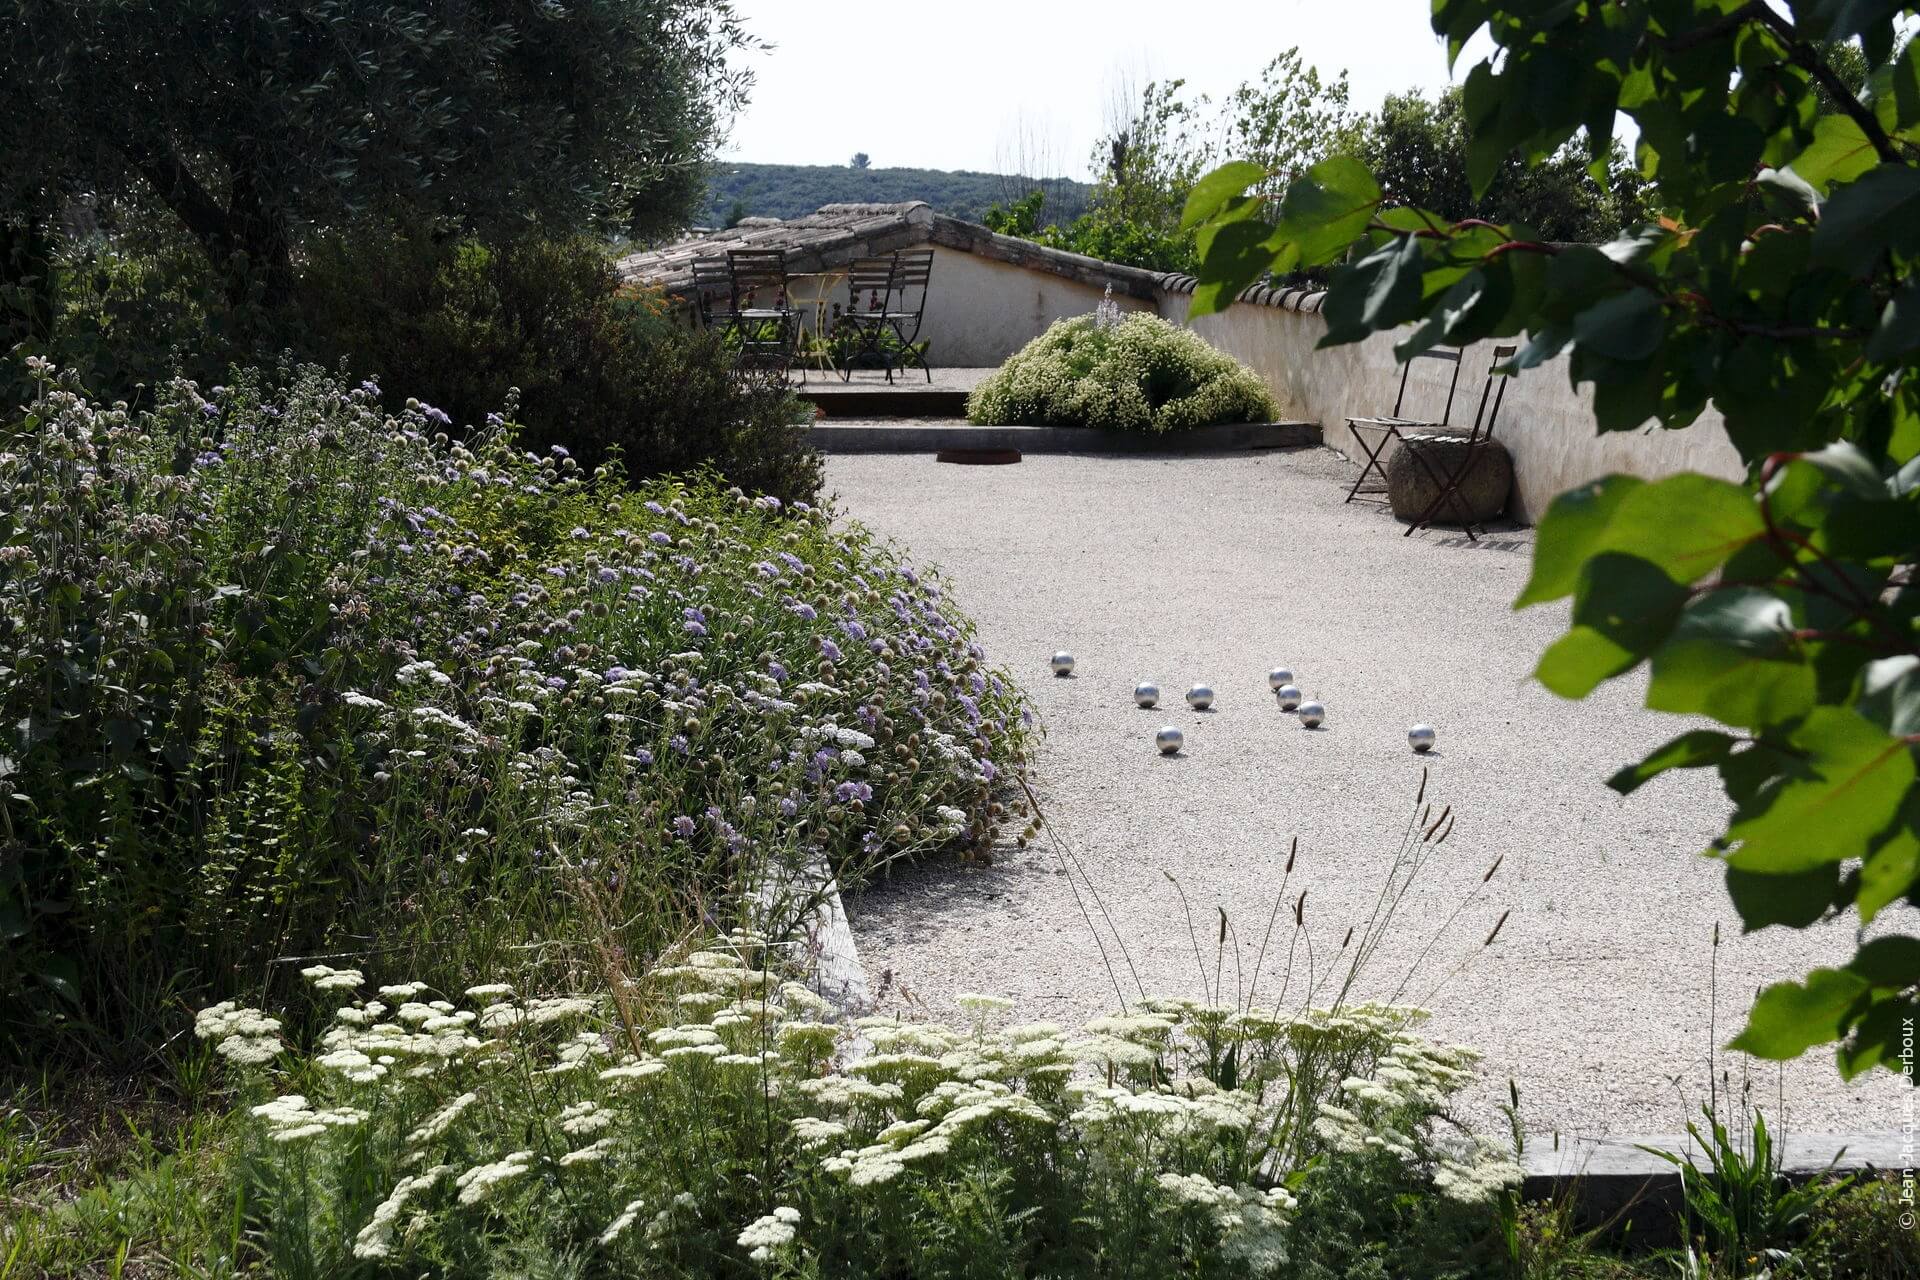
(1449, 489)
(1372, 463)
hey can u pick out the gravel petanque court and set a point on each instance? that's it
(1594, 996)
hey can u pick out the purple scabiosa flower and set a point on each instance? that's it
(694, 622)
(578, 531)
(656, 508)
(788, 806)
(555, 571)
(854, 630)
(777, 671)
(643, 757)
(853, 791)
(679, 743)
(987, 770)
(604, 576)
(616, 673)
(660, 539)
(555, 682)
(560, 451)
(766, 569)
(683, 827)
(802, 610)
(829, 649)
(793, 561)
(436, 416)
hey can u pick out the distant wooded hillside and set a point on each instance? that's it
(789, 190)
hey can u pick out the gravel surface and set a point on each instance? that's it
(1594, 996)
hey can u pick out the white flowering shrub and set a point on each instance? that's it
(1137, 373)
(282, 669)
(723, 1131)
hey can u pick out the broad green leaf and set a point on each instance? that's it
(1692, 750)
(1327, 208)
(1891, 962)
(1840, 152)
(1794, 899)
(1573, 529)
(1890, 694)
(1853, 780)
(1624, 609)
(1899, 329)
(1791, 1017)
(1887, 875)
(1626, 326)
(1237, 254)
(1211, 194)
(1862, 220)
(1687, 524)
(1880, 1037)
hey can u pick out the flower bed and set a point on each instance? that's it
(285, 673)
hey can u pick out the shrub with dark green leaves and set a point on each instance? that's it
(1131, 373)
(282, 672)
(598, 366)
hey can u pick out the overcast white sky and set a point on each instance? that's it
(966, 76)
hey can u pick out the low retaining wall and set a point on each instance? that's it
(926, 437)
(1544, 422)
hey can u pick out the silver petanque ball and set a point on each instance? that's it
(1279, 678)
(1146, 693)
(1420, 737)
(1200, 697)
(1063, 663)
(1169, 740)
(1289, 696)
(1311, 714)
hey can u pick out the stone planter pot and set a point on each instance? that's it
(1412, 487)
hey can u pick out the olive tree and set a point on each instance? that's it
(1778, 285)
(252, 123)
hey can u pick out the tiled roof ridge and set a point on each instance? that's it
(836, 234)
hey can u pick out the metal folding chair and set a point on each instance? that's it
(1477, 441)
(887, 298)
(760, 315)
(1391, 426)
(713, 292)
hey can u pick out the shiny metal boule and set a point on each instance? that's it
(1420, 737)
(1146, 693)
(1279, 678)
(1063, 663)
(1169, 740)
(1200, 697)
(1289, 696)
(1311, 714)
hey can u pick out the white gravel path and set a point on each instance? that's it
(1595, 994)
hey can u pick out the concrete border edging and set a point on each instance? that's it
(919, 437)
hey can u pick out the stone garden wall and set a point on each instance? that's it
(1546, 424)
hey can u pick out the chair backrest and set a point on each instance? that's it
(712, 282)
(1499, 393)
(913, 268)
(757, 269)
(1453, 382)
(869, 282)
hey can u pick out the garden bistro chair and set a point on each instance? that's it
(1391, 426)
(761, 317)
(886, 303)
(713, 292)
(1477, 442)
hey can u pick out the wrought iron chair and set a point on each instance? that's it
(887, 298)
(1391, 426)
(767, 326)
(1477, 441)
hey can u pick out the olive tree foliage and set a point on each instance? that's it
(252, 123)
(1777, 285)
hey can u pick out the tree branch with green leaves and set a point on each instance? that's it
(1777, 287)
